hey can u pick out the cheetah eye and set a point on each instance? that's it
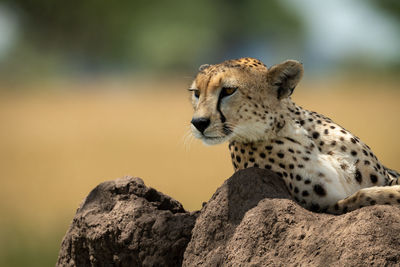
(196, 92)
(227, 91)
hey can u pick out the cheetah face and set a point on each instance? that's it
(239, 99)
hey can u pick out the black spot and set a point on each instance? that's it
(341, 138)
(353, 140)
(262, 155)
(315, 135)
(267, 167)
(256, 165)
(268, 147)
(319, 121)
(282, 165)
(298, 177)
(279, 142)
(314, 207)
(296, 190)
(366, 162)
(292, 140)
(232, 155)
(344, 209)
(285, 174)
(251, 159)
(333, 143)
(281, 155)
(300, 166)
(307, 181)
(343, 148)
(291, 150)
(291, 166)
(372, 202)
(354, 153)
(305, 193)
(306, 158)
(358, 176)
(236, 149)
(374, 178)
(321, 143)
(290, 186)
(280, 174)
(343, 131)
(271, 160)
(251, 152)
(319, 190)
(235, 165)
(238, 159)
(302, 121)
(246, 164)
(242, 150)
(365, 152)
(332, 127)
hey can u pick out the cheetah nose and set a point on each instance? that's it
(201, 123)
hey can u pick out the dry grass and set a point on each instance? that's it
(56, 145)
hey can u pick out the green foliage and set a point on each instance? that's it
(150, 34)
(390, 6)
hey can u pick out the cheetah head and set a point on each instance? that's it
(240, 99)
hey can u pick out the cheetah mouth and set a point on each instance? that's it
(213, 140)
(212, 137)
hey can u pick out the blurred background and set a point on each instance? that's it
(95, 90)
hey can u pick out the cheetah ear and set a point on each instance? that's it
(284, 77)
(204, 66)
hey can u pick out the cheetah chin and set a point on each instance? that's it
(209, 140)
(324, 166)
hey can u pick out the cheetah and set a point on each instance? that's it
(324, 166)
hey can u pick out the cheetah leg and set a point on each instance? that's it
(384, 195)
(394, 175)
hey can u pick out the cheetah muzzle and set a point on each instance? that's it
(324, 166)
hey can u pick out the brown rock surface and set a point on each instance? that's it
(249, 221)
(125, 223)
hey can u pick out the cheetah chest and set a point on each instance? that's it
(314, 179)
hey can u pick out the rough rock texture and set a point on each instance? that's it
(125, 223)
(249, 221)
(223, 213)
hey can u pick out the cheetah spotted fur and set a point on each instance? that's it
(324, 166)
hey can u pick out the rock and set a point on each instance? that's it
(125, 223)
(224, 212)
(250, 220)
